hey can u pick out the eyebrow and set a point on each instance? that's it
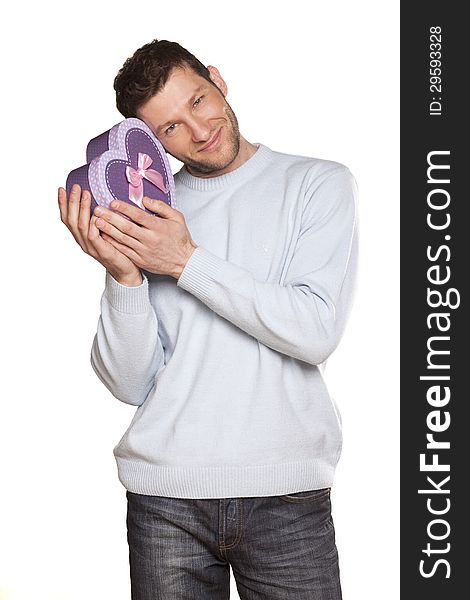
(203, 86)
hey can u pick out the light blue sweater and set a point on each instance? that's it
(225, 364)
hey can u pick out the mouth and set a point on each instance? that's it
(212, 143)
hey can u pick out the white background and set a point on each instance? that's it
(312, 78)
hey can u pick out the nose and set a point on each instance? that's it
(200, 130)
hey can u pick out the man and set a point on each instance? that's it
(216, 321)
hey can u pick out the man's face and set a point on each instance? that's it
(194, 122)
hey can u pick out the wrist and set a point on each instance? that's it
(128, 280)
(187, 254)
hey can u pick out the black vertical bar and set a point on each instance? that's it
(435, 257)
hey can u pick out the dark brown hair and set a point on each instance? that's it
(147, 71)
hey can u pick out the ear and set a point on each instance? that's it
(217, 79)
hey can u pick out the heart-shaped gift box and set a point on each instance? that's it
(127, 162)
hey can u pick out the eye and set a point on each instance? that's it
(170, 129)
(198, 101)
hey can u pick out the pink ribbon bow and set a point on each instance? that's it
(135, 176)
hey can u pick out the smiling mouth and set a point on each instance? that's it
(214, 141)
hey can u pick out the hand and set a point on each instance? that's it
(159, 244)
(75, 214)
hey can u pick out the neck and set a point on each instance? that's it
(245, 152)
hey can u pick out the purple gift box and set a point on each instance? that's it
(127, 162)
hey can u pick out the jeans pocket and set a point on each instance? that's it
(307, 496)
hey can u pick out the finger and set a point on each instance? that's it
(99, 247)
(123, 223)
(74, 206)
(70, 211)
(163, 209)
(62, 199)
(94, 236)
(94, 242)
(93, 231)
(120, 229)
(129, 252)
(84, 214)
(133, 212)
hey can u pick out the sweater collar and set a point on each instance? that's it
(253, 165)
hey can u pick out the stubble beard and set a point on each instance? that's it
(232, 144)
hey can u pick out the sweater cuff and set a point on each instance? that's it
(199, 272)
(127, 299)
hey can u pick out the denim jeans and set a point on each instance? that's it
(279, 547)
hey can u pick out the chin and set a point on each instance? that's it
(217, 161)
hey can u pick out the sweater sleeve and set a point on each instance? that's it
(305, 316)
(127, 353)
